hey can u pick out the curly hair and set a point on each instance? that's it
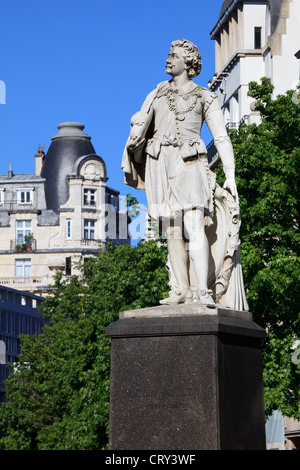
(192, 57)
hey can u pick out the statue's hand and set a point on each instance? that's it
(135, 144)
(135, 147)
(230, 186)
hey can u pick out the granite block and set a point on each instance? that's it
(186, 383)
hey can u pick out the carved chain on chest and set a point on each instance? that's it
(172, 94)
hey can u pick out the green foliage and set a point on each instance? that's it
(267, 174)
(59, 398)
(132, 206)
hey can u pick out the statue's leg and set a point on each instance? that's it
(199, 252)
(179, 260)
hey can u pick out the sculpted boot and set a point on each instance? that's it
(205, 298)
(183, 296)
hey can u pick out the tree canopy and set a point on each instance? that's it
(267, 174)
(59, 398)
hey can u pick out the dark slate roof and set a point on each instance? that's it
(224, 7)
(66, 147)
(21, 178)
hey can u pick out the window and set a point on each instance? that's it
(257, 37)
(2, 353)
(2, 196)
(68, 229)
(25, 195)
(89, 229)
(23, 227)
(89, 197)
(68, 266)
(23, 267)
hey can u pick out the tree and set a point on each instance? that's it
(59, 398)
(267, 173)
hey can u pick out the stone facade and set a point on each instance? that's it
(254, 39)
(58, 216)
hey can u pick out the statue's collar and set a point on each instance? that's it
(187, 88)
(191, 88)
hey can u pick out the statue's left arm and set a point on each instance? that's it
(215, 122)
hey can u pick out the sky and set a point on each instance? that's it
(93, 62)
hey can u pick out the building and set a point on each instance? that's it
(282, 433)
(18, 315)
(58, 216)
(254, 39)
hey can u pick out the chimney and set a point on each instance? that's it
(39, 159)
(10, 172)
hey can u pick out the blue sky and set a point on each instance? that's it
(90, 61)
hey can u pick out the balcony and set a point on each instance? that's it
(237, 125)
(20, 244)
(25, 282)
(212, 153)
(91, 242)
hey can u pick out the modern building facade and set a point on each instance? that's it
(18, 315)
(58, 216)
(254, 39)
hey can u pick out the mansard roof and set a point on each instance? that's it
(69, 144)
(21, 178)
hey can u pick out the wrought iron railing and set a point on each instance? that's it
(21, 245)
(212, 153)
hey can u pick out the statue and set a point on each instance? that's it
(165, 156)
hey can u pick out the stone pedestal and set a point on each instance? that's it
(186, 378)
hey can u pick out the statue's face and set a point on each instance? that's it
(175, 64)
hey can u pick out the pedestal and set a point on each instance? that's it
(185, 378)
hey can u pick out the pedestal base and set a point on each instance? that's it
(186, 381)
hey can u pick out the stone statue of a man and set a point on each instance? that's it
(165, 156)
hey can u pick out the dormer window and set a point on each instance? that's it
(25, 195)
(89, 197)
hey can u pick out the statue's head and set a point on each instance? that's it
(191, 56)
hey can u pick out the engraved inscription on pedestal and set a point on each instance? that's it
(153, 399)
(186, 382)
(167, 389)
